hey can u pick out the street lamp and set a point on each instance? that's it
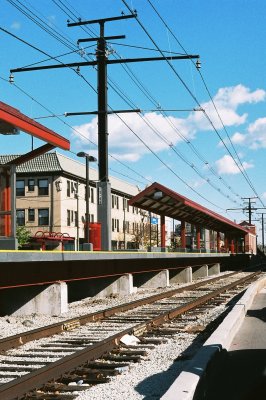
(87, 217)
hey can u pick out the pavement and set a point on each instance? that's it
(231, 365)
(241, 374)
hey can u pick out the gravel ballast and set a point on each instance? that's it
(148, 379)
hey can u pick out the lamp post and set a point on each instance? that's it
(87, 217)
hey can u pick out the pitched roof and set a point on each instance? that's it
(56, 162)
(164, 201)
(47, 162)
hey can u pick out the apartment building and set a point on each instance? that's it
(51, 198)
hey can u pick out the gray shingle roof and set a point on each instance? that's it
(47, 162)
(56, 162)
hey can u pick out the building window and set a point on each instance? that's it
(31, 185)
(126, 226)
(92, 196)
(20, 188)
(115, 201)
(43, 187)
(43, 216)
(125, 204)
(76, 218)
(21, 217)
(68, 217)
(115, 225)
(68, 188)
(31, 214)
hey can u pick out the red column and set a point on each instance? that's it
(226, 245)
(5, 203)
(162, 231)
(183, 234)
(198, 237)
(232, 246)
(218, 242)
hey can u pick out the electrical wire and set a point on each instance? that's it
(39, 22)
(187, 163)
(190, 92)
(128, 101)
(77, 132)
(242, 169)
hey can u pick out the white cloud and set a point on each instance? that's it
(227, 100)
(123, 139)
(124, 142)
(227, 166)
(236, 95)
(238, 138)
(197, 183)
(255, 137)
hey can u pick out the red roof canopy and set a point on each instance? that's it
(11, 118)
(163, 201)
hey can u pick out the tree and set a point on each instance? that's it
(23, 236)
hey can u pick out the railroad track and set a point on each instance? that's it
(79, 353)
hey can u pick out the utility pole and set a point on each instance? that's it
(103, 186)
(262, 229)
(249, 208)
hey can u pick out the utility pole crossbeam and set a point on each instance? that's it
(103, 186)
(249, 208)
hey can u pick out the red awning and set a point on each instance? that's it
(12, 119)
(160, 200)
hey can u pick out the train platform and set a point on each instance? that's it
(232, 362)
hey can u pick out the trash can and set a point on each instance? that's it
(95, 235)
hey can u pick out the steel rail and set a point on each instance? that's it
(39, 333)
(18, 388)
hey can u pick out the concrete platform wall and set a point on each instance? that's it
(45, 299)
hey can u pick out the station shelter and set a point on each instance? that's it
(162, 201)
(11, 122)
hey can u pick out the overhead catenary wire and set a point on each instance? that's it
(181, 156)
(126, 98)
(176, 152)
(192, 95)
(190, 165)
(242, 169)
(78, 133)
(163, 112)
(39, 22)
(147, 93)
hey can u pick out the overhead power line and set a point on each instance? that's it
(242, 169)
(188, 163)
(77, 132)
(193, 96)
(146, 92)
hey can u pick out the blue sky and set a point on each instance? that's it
(188, 151)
